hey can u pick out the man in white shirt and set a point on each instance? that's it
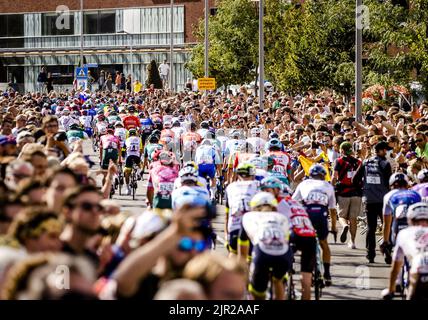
(164, 72)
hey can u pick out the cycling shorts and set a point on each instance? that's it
(89, 132)
(206, 170)
(130, 160)
(144, 137)
(232, 241)
(320, 224)
(263, 266)
(307, 247)
(162, 202)
(109, 154)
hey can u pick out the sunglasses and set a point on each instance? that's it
(187, 244)
(87, 206)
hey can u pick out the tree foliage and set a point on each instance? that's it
(312, 45)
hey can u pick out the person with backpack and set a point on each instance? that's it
(348, 192)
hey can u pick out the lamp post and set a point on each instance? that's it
(261, 55)
(171, 50)
(81, 33)
(131, 54)
(206, 66)
(358, 62)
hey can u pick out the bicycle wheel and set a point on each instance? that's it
(317, 285)
(291, 293)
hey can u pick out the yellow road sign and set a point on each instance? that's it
(206, 84)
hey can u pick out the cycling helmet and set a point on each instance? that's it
(141, 115)
(191, 164)
(132, 132)
(74, 126)
(270, 183)
(118, 124)
(131, 109)
(273, 135)
(100, 112)
(274, 143)
(220, 132)
(235, 134)
(154, 138)
(263, 199)
(418, 211)
(206, 142)
(165, 157)
(189, 170)
(167, 125)
(317, 170)
(156, 133)
(205, 125)
(246, 147)
(398, 178)
(423, 175)
(110, 128)
(191, 197)
(255, 131)
(246, 169)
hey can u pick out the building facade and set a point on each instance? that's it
(119, 36)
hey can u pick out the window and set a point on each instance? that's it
(50, 28)
(12, 26)
(99, 22)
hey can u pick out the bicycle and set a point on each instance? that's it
(134, 179)
(318, 278)
(219, 195)
(119, 179)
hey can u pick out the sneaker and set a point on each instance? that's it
(351, 245)
(344, 234)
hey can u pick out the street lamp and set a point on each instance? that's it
(261, 55)
(171, 50)
(81, 33)
(206, 41)
(130, 55)
(358, 62)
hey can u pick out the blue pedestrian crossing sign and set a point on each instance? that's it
(81, 73)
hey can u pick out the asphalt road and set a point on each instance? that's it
(353, 278)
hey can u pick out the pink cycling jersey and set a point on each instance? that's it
(162, 179)
(109, 141)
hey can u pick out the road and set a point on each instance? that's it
(353, 278)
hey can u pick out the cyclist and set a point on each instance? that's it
(113, 117)
(302, 232)
(109, 148)
(188, 178)
(255, 140)
(238, 195)
(269, 233)
(75, 133)
(204, 128)
(161, 181)
(208, 160)
(150, 148)
(282, 160)
(244, 153)
(395, 205)
(189, 143)
(412, 243)
(130, 120)
(86, 122)
(318, 198)
(422, 186)
(146, 127)
(120, 132)
(191, 166)
(134, 149)
(167, 136)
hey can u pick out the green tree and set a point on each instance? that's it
(153, 76)
(233, 35)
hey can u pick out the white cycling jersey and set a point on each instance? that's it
(269, 230)
(411, 242)
(86, 121)
(238, 196)
(257, 143)
(121, 134)
(206, 155)
(133, 146)
(315, 192)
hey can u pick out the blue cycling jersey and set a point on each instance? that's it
(397, 201)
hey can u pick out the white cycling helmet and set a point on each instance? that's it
(189, 170)
(263, 198)
(206, 142)
(423, 175)
(255, 131)
(418, 211)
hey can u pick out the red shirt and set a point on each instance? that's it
(131, 122)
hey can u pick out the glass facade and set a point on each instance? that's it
(143, 29)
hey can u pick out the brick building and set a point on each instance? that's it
(37, 33)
